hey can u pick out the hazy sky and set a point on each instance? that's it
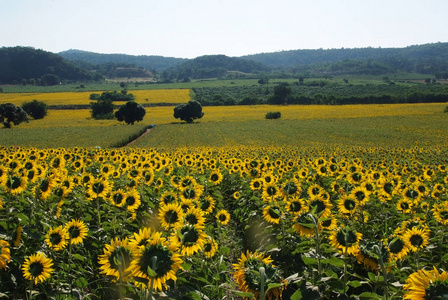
(191, 28)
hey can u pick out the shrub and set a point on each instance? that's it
(188, 111)
(35, 109)
(273, 115)
(131, 112)
(102, 109)
(446, 109)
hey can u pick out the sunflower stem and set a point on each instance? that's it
(262, 282)
(98, 212)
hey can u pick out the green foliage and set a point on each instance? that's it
(273, 115)
(282, 93)
(131, 112)
(35, 109)
(18, 63)
(113, 96)
(446, 109)
(102, 109)
(9, 113)
(188, 111)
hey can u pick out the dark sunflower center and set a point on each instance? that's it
(74, 232)
(208, 247)
(437, 290)
(189, 193)
(256, 184)
(274, 213)
(130, 200)
(222, 217)
(346, 238)
(191, 219)
(295, 206)
(214, 177)
(44, 185)
(404, 205)
(360, 195)
(388, 188)
(349, 204)
(133, 173)
(118, 198)
(120, 258)
(190, 236)
(271, 191)
(36, 268)
(318, 205)
(157, 258)
(416, 240)
(290, 188)
(326, 223)
(55, 238)
(205, 204)
(356, 177)
(171, 217)
(168, 199)
(444, 215)
(14, 182)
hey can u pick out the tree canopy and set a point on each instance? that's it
(188, 111)
(9, 113)
(35, 109)
(131, 112)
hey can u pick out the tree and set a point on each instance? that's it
(9, 113)
(282, 92)
(102, 109)
(35, 109)
(130, 112)
(188, 111)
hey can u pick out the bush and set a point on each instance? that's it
(102, 109)
(273, 115)
(188, 111)
(35, 109)
(446, 109)
(131, 112)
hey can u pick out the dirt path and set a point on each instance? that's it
(142, 135)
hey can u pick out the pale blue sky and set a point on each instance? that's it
(191, 28)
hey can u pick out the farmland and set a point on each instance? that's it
(325, 202)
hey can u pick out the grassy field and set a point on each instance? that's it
(406, 125)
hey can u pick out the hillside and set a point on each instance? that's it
(148, 62)
(35, 66)
(425, 59)
(212, 66)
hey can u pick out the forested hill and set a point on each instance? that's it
(29, 65)
(149, 62)
(426, 58)
(208, 66)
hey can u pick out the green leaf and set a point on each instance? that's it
(81, 282)
(78, 257)
(244, 294)
(309, 260)
(151, 272)
(334, 261)
(355, 283)
(369, 296)
(297, 295)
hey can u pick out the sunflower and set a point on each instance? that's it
(304, 225)
(361, 194)
(207, 204)
(345, 240)
(16, 184)
(440, 212)
(140, 239)
(272, 214)
(424, 284)
(405, 205)
(147, 176)
(76, 231)
(330, 223)
(248, 276)
(348, 204)
(291, 188)
(416, 238)
(168, 197)
(190, 238)
(223, 217)
(295, 206)
(118, 197)
(115, 260)
(256, 184)
(5, 255)
(107, 170)
(170, 216)
(99, 188)
(3, 174)
(314, 190)
(194, 216)
(18, 236)
(132, 200)
(37, 268)
(320, 207)
(215, 177)
(397, 248)
(156, 262)
(270, 191)
(369, 258)
(56, 238)
(210, 247)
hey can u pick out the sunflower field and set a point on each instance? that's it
(224, 223)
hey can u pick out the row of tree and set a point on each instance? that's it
(12, 114)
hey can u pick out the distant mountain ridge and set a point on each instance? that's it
(149, 62)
